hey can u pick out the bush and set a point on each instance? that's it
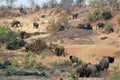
(106, 15)
(38, 45)
(52, 28)
(108, 27)
(16, 44)
(7, 35)
(14, 61)
(119, 21)
(116, 77)
(91, 17)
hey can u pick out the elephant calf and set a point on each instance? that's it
(73, 59)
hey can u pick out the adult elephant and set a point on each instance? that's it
(81, 69)
(16, 23)
(22, 34)
(92, 70)
(75, 16)
(105, 62)
(100, 26)
(35, 25)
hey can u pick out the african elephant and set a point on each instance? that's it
(100, 26)
(85, 26)
(92, 70)
(27, 47)
(35, 25)
(75, 15)
(59, 50)
(81, 70)
(105, 61)
(73, 59)
(61, 28)
(16, 23)
(22, 34)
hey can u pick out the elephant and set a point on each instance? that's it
(75, 15)
(16, 23)
(73, 59)
(22, 34)
(100, 25)
(35, 25)
(22, 10)
(42, 16)
(86, 26)
(27, 46)
(105, 62)
(92, 70)
(81, 26)
(81, 70)
(61, 28)
(59, 50)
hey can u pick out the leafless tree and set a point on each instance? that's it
(9, 2)
(67, 5)
(80, 3)
(52, 3)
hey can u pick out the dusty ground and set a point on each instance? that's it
(88, 53)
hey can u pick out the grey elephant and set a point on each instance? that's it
(105, 62)
(92, 70)
(35, 25)
(22, 34)
(100, 26)
(73, 59)
(81, 70)
(16, 23)
(27, 47)
(59, 50)
(75, 15)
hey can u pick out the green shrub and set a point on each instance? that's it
(7, 35)
(43, 56)
(80, 61)
(13, 45)
(119, 21)
(37, 64)
(14, 61)
(106, 15)
(116, 77)
(91, 17)
(108, 27)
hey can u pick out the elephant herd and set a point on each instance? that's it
(92, 70)
(17, 23)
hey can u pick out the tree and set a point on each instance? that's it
(80, 3)
(32, 4)
(52, 3)
(67, 5)
(9, 2)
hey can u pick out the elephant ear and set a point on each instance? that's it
(111, 59)
(70, 57)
